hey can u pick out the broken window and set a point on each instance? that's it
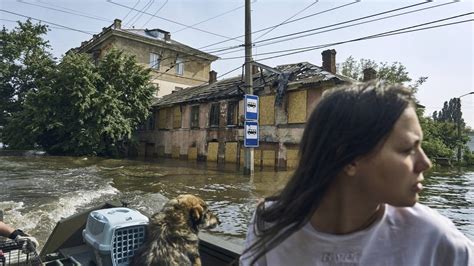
(195, 116)
(214, 115)
(232, 113)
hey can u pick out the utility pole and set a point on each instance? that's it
(249, 152)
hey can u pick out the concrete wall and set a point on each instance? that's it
(196, 70)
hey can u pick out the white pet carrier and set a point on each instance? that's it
(115, 234)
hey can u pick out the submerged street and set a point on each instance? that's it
(37, 192)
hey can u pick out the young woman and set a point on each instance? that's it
(353, 198)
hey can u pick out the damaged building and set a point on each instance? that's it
(206, 122)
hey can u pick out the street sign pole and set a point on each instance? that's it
(249, 153)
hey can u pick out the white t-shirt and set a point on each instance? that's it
(407, 236)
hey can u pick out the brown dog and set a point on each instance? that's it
(173, 233)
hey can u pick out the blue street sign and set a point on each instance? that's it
(251, 107)
(251, 134)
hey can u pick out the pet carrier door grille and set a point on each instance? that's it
(125, 243)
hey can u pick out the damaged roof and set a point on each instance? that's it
(303, 73)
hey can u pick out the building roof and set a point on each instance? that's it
(155, 37)
(300, 74)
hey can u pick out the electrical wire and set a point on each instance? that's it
(73, 10)
(63, 11)
(140, 13)
(386, 34)
(341, 23)
(47, 22)
(172, 21)
(321, 12)
(278, 25)
(206, 20)
(355, 24)
(130, 11)
(161, 7)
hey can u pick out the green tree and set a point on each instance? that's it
(26, 65)
(394, 72)
(75, 107)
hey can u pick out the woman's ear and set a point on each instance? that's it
(351, 168)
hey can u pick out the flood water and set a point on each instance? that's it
(36, 192)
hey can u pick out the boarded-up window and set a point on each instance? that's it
(195, 116)
(267, 110)
(177, 117)
(232, 113)
(214, 115)
(162, 118)
(297, 107)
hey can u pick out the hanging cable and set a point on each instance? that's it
(174, 22)
(154, 14)
(63, 11)
(206, 20)
(47, 22)
(282, 23)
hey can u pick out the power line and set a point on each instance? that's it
(130, 11)
(355, 24)
(47, 22)
(172, 21)
(381, 35)
(297, 13)
(161, 7)
(321, 12)
(140, 13)
(77, 11)
(340, 23)
(63, 11)
(344, 22)
(378, 35)
(206, 20)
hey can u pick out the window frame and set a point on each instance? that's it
(232, 113)
(155, 61)
(214, 115)
(194, 120)
(179, 66)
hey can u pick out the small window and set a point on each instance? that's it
(195, 116)
(151, 122)
(232, 113)
(179, 66)
(154, 61)
(214, 115)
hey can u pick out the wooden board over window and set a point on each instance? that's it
(267, 110)
(162, 118)
(176, 117)
(297, 107)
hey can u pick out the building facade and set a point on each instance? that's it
(175, 66)
(206, 122)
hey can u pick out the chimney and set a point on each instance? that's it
(117, 24)
(167, 36)
(329, 60)
(369, 74)
(212, 76)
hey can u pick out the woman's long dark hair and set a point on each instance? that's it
(347, 123)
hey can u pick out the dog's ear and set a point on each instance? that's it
(196, 213)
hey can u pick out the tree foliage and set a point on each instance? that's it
(25, 66)
(394, 72)
(83, 108)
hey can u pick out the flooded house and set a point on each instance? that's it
(206, 122)
(174, 65)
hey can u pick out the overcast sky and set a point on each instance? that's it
(443, 54)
